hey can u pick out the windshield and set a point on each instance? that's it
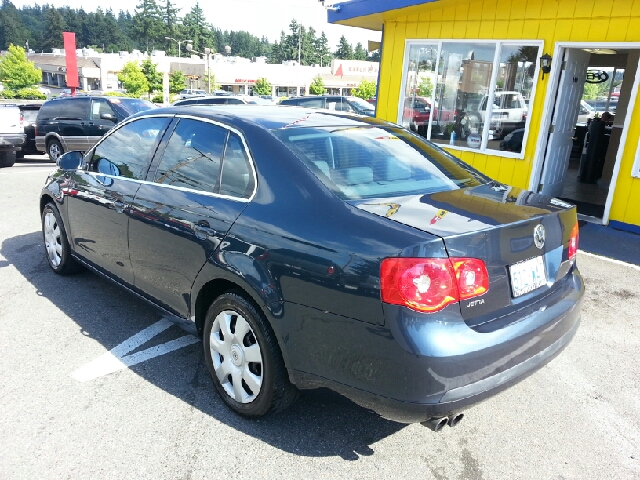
(128, 106)
(361, 103)
(374, 162)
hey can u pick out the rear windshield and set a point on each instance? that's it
(374, 162)
(128, 106)
(29, 115)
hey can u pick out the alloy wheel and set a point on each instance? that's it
(236, 356)
(52, 239)
(54, 151)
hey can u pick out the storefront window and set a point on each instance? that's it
(419, 86)
(463, 95)
(512, 91)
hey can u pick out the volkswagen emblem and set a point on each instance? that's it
(538, 236)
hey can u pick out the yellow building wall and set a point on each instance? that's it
(548, 20)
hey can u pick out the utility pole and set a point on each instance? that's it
(299, 41)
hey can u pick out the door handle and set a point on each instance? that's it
(119, 206)
(203, 230)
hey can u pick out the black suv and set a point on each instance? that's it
(333, 102)
(77, 123)
(29, 114)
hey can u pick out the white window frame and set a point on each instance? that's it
(636, 165)
(494, 75)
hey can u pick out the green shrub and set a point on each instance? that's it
(6, 93)
(158, 98)
(30, 94)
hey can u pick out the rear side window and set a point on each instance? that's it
(370, 162)
(48, 110)
(193, 156)
(74, 108)
(128, 150)
(237, 179)
(186, 102)
(312, 103)
(234, 101)
(211, 101)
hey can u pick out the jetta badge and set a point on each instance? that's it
(538, 236)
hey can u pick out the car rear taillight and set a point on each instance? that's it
(21, 120)
(573, 242)
(471, 276)
(430, 284)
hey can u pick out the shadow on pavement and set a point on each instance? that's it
(320, 423)
(609, 242)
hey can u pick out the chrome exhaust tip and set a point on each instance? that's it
(455, 419)
(436, 424)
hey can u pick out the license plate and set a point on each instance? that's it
(527, 276)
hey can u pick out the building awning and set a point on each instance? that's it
(371, 14)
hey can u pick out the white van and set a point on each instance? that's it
(509, 112)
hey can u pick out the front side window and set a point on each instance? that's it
(468, 95)
(100, 106)
(193, 156)
(376, 162)
(129, 149)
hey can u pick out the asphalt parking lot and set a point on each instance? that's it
(97, 385)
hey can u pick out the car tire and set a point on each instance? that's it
(56, 244)
(54, 149)
(7, 159)
(240, 345)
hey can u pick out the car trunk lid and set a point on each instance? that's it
(496, 224)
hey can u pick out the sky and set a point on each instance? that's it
(259, 17)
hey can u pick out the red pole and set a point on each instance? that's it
(71, 60)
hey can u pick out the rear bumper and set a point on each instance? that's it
(11, 141)
(435, 368)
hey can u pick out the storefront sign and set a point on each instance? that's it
(244, 80)
(597, 76)
(354, 67)
(474, 140)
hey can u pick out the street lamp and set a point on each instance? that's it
(207, 52)
(179, 42)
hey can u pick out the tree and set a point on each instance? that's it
(365, 90)
(176, 82)
(316, 87)
(322, 50)
(133, 79)
(344, 51)
(374, 56)
(11, 27)
(169, 17)
(425, 87)
(359, 53)
(16, 71)
(154, 78)
(262, 87)
(54, 26)
(147, 23)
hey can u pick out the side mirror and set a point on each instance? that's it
(108, 116)
(70, 160)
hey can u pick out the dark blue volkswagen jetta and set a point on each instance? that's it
(315, 249)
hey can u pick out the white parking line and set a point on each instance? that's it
(612, 260)
(117, 359)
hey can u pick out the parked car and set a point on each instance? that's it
(190, 92)
(509, 112)
(29, 114)
(417, 111)
(599, 105)
(12, 135)
(586, 112)
(77, 123)
(513, 141)
(221, 100)
(315, 249)
(332, 102)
